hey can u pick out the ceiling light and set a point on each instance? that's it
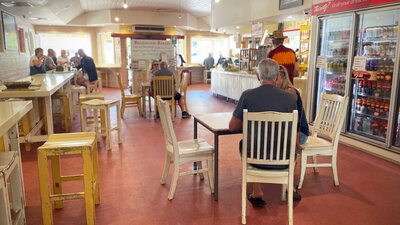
(125, 5)
(290, 17)
(38, 18)
(216, 1)
(237, 27)
(116, 19)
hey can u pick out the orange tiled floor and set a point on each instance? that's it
(131, 192)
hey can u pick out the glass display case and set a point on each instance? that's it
(372, 88)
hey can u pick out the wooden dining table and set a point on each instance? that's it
(218, 124)
(41, 90)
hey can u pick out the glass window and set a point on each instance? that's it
(200, 47)
(71, 42)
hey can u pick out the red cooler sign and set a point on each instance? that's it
(334, 6)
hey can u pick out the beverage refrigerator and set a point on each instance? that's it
(370, 40)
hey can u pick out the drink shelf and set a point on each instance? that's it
(372, 96)
(372, 116)
(339, 40)
(337, 56)
(335, 73)
(380, 40)
(368, 135)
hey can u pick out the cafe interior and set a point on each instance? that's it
(122, 148)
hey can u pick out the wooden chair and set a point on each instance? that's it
(183, 152)
(183, 89)
(324, 139)
(132, 100)
(164, 87)
(280, 129)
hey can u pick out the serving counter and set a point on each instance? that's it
(232, 84)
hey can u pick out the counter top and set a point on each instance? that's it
(239, 73)
(42, 85)
(11, 112)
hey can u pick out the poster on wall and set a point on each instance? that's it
(9, 32)
(145, 51)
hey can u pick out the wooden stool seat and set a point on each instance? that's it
(12, 211)
(66, 110)
(84, 144)
(103, 128)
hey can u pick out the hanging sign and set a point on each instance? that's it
(334, 6)
(321, 62)
(359, 63)
(257, 30)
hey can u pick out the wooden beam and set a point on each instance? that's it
(147, 36)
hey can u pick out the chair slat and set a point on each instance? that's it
(265, 140)
(278, 149)
(285, 140)
(258, 139)
(252, 141)
(271, 152)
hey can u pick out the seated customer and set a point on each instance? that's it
(267, 97)
(283, 82)
(88, 67)
(164, 71)
(49, 61)
(36, 62)
(155, 66)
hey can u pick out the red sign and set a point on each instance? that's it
(334, 6)
(360, 75)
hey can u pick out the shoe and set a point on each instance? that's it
(186, 115)
(296, 196)
(256, 202)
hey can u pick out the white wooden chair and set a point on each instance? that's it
(182, 152)
(280, 130)
(183, 89)
(325, 134)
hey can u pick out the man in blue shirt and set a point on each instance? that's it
(88, 66)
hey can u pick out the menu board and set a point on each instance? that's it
(145, 51)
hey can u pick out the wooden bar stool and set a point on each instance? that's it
(205, 78)
(76, 91)
(84, 144)
(66, 110)
(103, 128)
(12, 211)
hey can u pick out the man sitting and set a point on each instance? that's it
(267, 97)
(164, 71)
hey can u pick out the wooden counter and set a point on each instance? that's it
(232, 84)
(197, 73)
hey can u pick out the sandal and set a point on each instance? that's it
(256, 202)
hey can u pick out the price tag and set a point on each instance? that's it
(321, 62)
(359, 63)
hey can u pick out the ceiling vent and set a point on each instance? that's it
(13, 4)
(148, 29)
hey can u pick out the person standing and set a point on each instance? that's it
(266, 97)
(36, 62)
(209, 62)
(284, 56)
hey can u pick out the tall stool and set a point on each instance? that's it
(102, 128)
(10, 169)
(84, 144)
(206, 79)
(76, 91)
(64, 97)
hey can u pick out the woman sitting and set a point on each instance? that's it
(284, 83)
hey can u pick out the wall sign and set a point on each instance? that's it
(149, 50)
(321, 62)
(334, 6)
(257, 29)
(359, 63)
(9, 32)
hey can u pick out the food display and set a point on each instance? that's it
(372, 92)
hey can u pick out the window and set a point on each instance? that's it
(71, 42)
(200, 47)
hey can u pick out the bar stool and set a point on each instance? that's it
(206, 79)
(103, 128)
(10, 170)
(190, 75)
(65, 112)
(84, 144)
(76, 91)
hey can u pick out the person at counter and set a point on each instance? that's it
(88, 67)
(36, 62)
(48, 60)
(261, 99)
(209, 62)
(63, 59)
(221, 60)
(164, 71)
(155, 66)
(284, 56)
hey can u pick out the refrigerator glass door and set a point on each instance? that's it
(334, 41)
(371, 93)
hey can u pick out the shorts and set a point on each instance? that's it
(303, 138)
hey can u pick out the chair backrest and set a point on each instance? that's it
(168, 129)
(269, 138)
(330, 116)
(121, 87)
(184, 83)
(164, 86)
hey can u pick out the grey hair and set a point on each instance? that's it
(268, 69)
(163, 64)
